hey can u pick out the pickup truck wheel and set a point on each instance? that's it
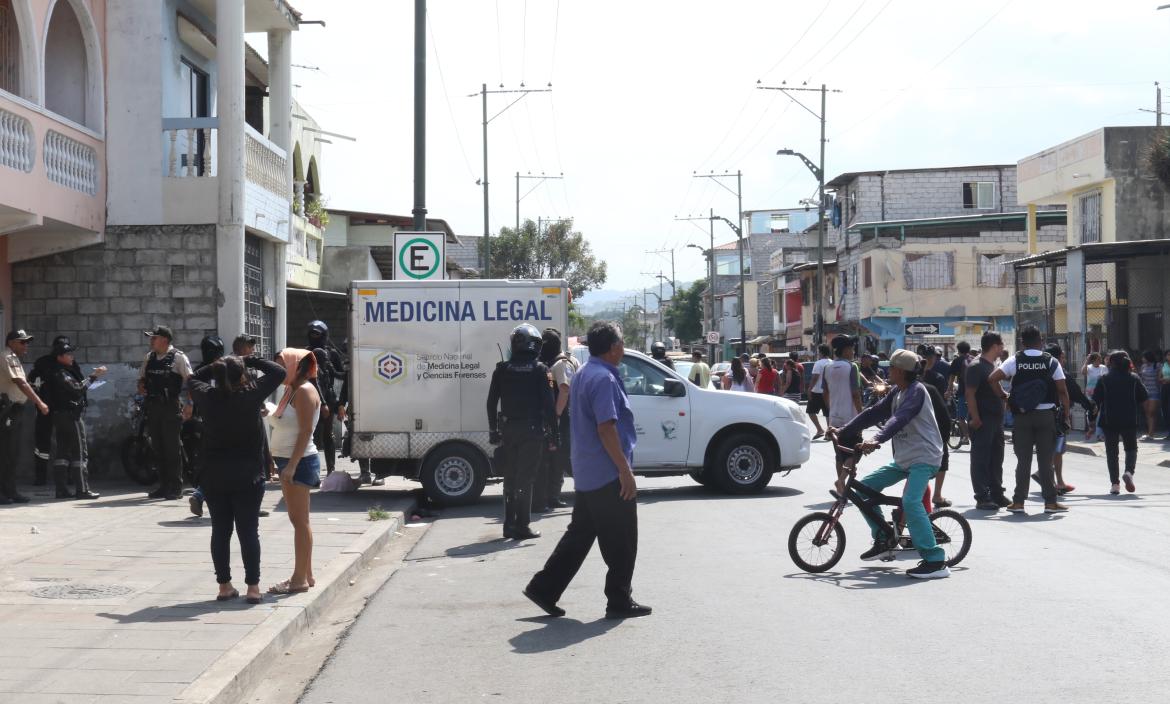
(454, 476)
(742, 464)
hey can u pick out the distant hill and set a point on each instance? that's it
(608, 299)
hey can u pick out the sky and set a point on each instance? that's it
(647, 94)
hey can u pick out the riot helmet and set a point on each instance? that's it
(526, 341)
(212, 348)
(658, 350)
(318, 332)
(550, 347)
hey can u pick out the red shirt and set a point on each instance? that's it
(766, 381)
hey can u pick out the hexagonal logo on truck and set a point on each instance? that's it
(389, 367)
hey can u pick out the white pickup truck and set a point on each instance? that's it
(422, 354)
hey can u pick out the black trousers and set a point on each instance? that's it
(71, 454)
(164, 422)
(601, 515)
(1035, 431)
(550, 481)
(1128, 436)
(43, 434)
(522, 452)
(10, 423)
(325, 441)
(987, 459)
(241, 509)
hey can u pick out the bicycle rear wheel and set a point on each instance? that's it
(955, 441)
(952, 532)
(138, 461)
(803, 545)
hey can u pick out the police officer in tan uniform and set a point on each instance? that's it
(14, 391)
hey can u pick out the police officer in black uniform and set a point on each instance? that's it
(43, 428)
(162, 378)
(66, 388)
(330, 367)
(521, 393)
(658, 352)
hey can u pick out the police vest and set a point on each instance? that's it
(162, 381)
(1033, 384)
(522, 386)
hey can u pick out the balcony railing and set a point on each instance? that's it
(71, 163)
(16, 142)
(190, 142)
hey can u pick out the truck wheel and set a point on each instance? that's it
(454, 475)
(742, 464)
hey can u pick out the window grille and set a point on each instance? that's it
(1090, 212)
(929, 270)
(993, 271)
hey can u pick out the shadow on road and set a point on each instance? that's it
(558, 633)
(189, 611)
(697, 493)
(865, 578)
(487, 547)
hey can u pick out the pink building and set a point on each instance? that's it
(52, 131)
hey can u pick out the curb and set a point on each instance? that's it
(235, 672)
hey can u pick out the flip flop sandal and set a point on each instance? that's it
(943, 503)
(286, 587)
(1065, 488)
(254, 599)
(228, 597)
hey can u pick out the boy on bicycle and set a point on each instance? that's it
(907, 418)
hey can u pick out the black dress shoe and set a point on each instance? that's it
(557, 503)
(4, 500)
(64, 494)
(19, 499)
(156, 494)
(88, 495)
(546, 605)
(524, 533)
(172, 497)
(634, 610)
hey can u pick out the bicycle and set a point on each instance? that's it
(955, 440)
(817, 541)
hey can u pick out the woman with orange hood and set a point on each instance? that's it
(296, 458)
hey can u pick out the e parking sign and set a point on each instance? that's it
(419, 256)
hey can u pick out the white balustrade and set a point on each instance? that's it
(70, 163)
(189, 152)
(264, 166)
(16, 142)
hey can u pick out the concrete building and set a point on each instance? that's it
(182, 163)
(1104, 287)
(921, 254)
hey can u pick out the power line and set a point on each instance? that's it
(840, 29)
(929, 71)
(799, 39)
(854, 38)
(447, 97)
(499, 44)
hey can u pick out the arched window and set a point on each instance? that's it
(312, 182)
(72, 61)
(16, 70)
(65, 64)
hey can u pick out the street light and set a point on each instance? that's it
(819, 173)
(709, 255)
(742, 288)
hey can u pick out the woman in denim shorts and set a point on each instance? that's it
(296, 458)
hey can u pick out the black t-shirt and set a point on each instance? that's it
(959, 371)
(988, 404)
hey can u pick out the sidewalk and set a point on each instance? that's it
(1149, 453)
(113, 600)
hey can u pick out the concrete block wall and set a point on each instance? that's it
(931, 194)
(104, 297)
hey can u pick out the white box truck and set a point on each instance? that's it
(422, 354)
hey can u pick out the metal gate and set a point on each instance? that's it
(259, 319)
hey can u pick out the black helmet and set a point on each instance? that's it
(658, 350)
(525, 340)
(550, 347)
(318, 328)
(212, 348)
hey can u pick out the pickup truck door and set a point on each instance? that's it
(663, 422)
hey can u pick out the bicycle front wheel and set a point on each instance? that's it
(952, 532)
(815, 546)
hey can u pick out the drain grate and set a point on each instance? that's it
(81, 591)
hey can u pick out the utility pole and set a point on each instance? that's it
(539, 179)
(484, 93)
(818, 171)
(710, 255)
(673, 280)
(420, 116)
(1157, 104)
(737, 226)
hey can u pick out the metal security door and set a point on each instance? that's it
(259, 320)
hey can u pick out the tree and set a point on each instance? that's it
(630, 319)
(555, 253)
(685, 314)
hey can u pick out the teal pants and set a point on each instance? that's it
(917, 477)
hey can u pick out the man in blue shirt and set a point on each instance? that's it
(603, 437)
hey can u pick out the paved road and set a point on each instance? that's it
(1045, 609)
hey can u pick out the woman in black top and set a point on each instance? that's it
(234, 460)
(1119, 395)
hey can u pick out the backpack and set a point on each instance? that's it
(1027, 396)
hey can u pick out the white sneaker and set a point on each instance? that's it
(1128, 479)
(1115, 489)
